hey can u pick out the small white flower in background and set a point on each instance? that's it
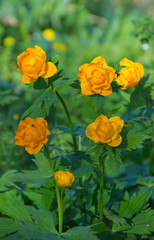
(145, 46)
(36, 36)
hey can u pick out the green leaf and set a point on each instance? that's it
(38, 176)
(143, 223)
(75, 84)
(80, 233)
(138, 98)
(40, 84)
(7, 226)
(85, 171)
(113, 153)
(32, 231)
(15, 236)
(100, 227)
(61, 83)
(42, 218)
(12, 206)
(36, 198)
(114, 218)
(135, 139)
(76, 159)
(128, 208)
(6, 180)
(40, 108)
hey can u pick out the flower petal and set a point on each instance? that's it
(26, 79)
(85, 89)
(31, 150)
(50, 70)
(100, 61)
(126, 62)
(116, 142)
(91, 133)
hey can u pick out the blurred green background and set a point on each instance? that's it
(75, 31)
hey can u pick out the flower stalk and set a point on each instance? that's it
(59, 197)
(101, 174)
(67, 114)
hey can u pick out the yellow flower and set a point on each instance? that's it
(32, 64)
(130, 74)
(64, 179)
(9, 41)
(106, 130)
(96, 77)
(49, 34)
(32, 134)
(59, 46)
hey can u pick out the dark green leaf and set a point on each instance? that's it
(135, 139)
(85, 171)
(38, 176)
(7, 226)
(42, 218)
(129, 207)
(80, 233)
(12, 206)
(41, 107)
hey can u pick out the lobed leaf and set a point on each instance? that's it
(41, 107)
(80, 233)
(38, 176)
(135, 139)
(12, 205)
(129, 207)
(7, 226)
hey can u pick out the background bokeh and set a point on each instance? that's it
(75, 32)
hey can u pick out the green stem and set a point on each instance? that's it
(101, 173)
(68, 116)
(59, 199)
(60, 209)
(50, 162)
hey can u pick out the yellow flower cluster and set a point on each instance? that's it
(96, 77)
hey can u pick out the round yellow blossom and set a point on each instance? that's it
(9, 41)
(106, 130)
(59, 46)
(49, 34)
(96, 77)
(32, 134)
(130, 74)
(32, 64)
(64, 179)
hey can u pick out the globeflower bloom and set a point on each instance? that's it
(106, 130)
(64, 179)
(9, 41)
(130, 74)
(32, 134)
(49, 34)
(96, 77)
(32, 64)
